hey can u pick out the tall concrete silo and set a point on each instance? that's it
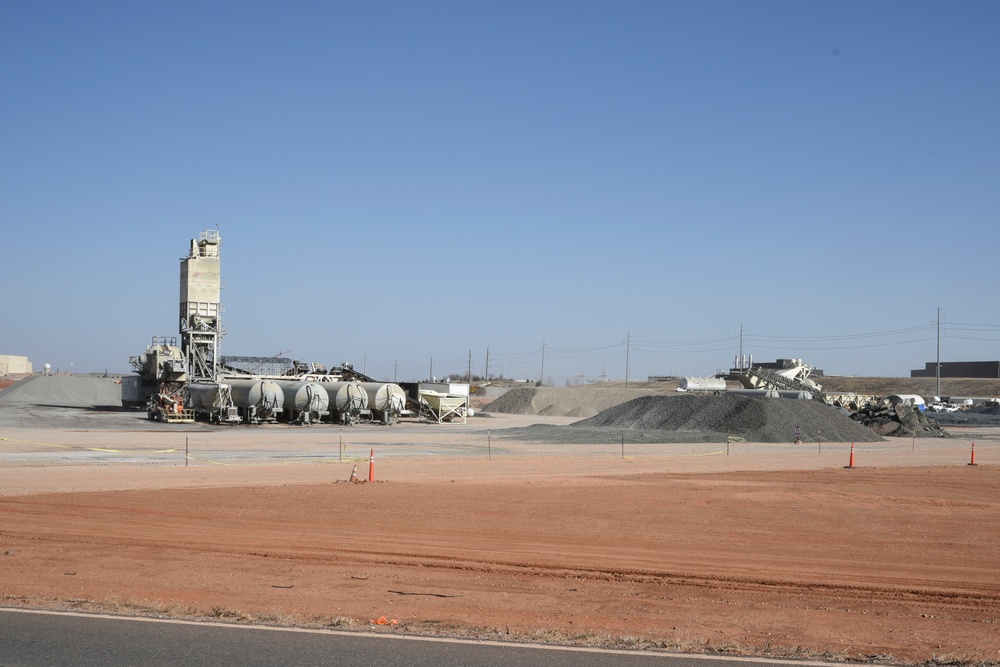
(201, 307)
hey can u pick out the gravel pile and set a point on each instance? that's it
(63, 391)
(687, 418)
(751, 418)
(585, 401)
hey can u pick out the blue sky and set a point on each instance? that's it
(398, 184)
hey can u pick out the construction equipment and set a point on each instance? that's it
(175, 382)
(794, 378)
(201, 307)
(169, 408)
(164, 369)
(160, 369)
(439, 407)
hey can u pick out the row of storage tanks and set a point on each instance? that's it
(258, 400)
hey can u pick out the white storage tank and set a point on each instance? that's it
(702, 384)
(261, 399)
(795, 395)
(304, 396)
(346, 397)
(385, 397)
(215, 401)
(757, 393)
(204, 396)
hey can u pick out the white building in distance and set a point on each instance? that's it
(14, 365)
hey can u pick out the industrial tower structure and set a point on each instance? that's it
(201, 307)
(177, 383)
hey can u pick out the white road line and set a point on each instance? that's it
(423, 638)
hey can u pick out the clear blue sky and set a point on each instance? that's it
(401, 182)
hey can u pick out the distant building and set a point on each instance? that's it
(14, 365)
(959, 369)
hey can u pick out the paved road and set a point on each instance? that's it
(29, 639)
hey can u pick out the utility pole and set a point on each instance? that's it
(937, 374)
(469, 374)
(628, 349)
(739, 359)
(541, 377)
(487, 376)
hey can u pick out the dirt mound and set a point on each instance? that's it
(64, 391)
(753, 419)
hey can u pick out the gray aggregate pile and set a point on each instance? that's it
(517, 401)
(754, 419)
(582, 401)
(63, 391)
(687, 418)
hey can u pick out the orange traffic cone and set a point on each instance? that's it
(973, 461)
(371, 466)
(851, 464)
(354, 474)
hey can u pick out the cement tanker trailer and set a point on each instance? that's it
(258, 400)
(214, 402)
(386, 400)
(305, 402)
(702, 384)
(348, 401)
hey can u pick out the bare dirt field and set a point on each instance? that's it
(747, 549)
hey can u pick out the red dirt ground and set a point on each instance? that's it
(891, 564)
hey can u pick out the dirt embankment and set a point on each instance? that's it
(871, 564)
(880, 386)
(775, 550)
